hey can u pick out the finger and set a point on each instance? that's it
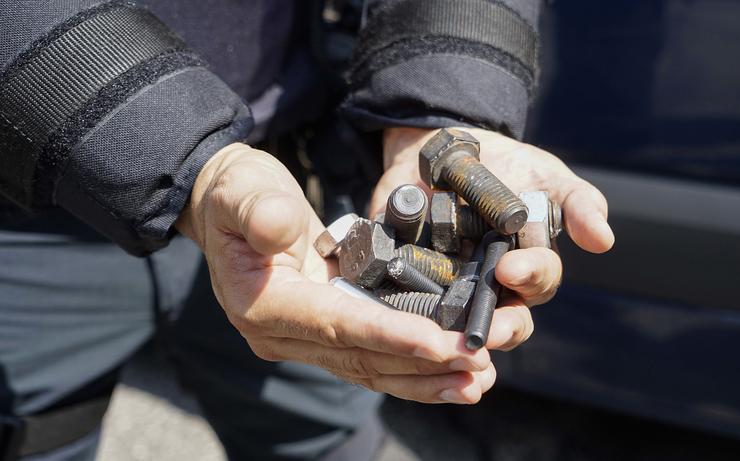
(585, 214)
(460, 387)
(533, 273)
(511, 326)
(294, 307)
(356, 362)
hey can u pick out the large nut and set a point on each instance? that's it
(366, 252)
(445, 235)
(330, 241)
(436, 154)
(544, 222)
(452, 310)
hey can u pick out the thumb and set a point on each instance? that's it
(271, 221)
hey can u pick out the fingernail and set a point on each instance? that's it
(452, 396)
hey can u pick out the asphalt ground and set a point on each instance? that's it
(152, 418)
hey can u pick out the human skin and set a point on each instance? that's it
(256, 230)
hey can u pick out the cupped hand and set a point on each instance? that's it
(256, 230)
(532, 275)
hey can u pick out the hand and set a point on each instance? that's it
(534, 274)
(256, 230)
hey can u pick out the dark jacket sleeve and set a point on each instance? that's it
(106, 113)
(433, 63)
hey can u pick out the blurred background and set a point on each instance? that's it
(637, 356)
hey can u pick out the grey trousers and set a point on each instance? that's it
(74, 308)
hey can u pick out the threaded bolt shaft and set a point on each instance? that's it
(471, 225)
(439, 267)
(406, 211)
(486, 293)
(495, 202)
(407, 276)
(424, 304)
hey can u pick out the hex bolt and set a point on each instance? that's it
(407, 276)
(451, 222)
(451, 159)
(330, 241)
(357, 291)
(455, 304)
(544, 222)
(365, 253)
(486, 293)
(439, 267)
(424, 304)
(406, 212)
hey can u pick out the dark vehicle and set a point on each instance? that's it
(643, 98)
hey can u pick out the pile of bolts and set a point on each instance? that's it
(410, 257)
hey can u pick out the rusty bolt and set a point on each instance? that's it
(330, 241)
(406, 212)
(452, 222)
(365, 253)
(407, 276)
(451, 160)
(437, 266)
(544, 222)
(424, 304)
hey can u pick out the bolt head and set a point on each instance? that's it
(445, 234)
(330, 241)
(538, 229)
(366, 252)
(452, 310)
(437, 152)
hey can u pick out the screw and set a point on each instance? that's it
(486, 293)
(424, 304)
(439, 267)
(406, 212)
(407, 276)
(451, 158)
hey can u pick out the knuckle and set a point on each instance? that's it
(328, 335)
(264, 351)
(357, 363)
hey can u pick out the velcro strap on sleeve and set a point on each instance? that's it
(60, 73)
(482, 21)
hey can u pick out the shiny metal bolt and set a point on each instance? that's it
(406, 212)
(439, 267)
(451, 160)
(407, 276)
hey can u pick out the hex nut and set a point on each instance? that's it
(436, 151)
(445, 235)
(330, 241)
(366, 252)
(537, 230)
(452, 310)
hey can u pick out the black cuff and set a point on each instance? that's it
(131, 177)
(431, 63)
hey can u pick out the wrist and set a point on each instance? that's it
(191, 222)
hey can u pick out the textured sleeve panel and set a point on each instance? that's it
(431, 63)
(132, 174)
(110, 116)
